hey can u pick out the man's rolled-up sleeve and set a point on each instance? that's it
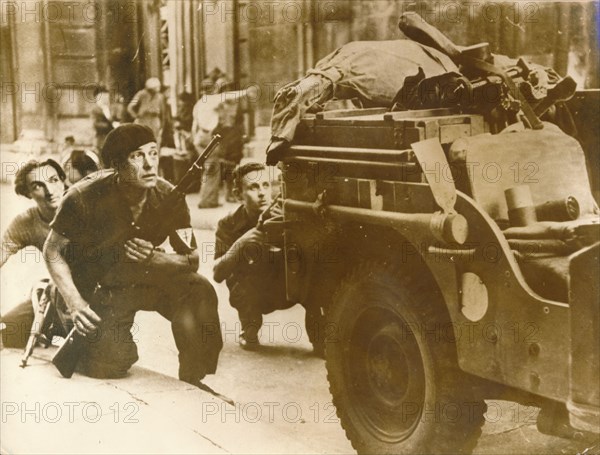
(12, 241)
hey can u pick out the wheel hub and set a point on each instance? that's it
(387, 367)
(386, 372)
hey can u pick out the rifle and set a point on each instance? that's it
(39, 321)
(68, 354)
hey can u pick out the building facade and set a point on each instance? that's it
(55, 53)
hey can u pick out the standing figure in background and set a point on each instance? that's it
(119, 107)
(185, 151)
(148, 107)
(105, 118)
(185, 107)
(205, 121)
(167, 141)
(231, 128)
(219, 113)
(67, 147)
(215, 82)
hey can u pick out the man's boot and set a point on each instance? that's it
(249, 336)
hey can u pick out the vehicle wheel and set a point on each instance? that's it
(392, 367)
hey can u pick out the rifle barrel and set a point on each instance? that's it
(196, 166)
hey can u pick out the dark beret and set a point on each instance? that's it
(123, 140)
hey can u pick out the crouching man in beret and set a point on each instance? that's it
(106, 276)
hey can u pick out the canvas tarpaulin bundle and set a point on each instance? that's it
(372, 71)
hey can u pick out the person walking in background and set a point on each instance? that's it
(104, 117)
(148, 107)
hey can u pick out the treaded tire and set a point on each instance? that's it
(392, 367)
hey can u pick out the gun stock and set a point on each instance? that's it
(417, 29)
(67, 356)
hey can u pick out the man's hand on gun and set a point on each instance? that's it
(253, 236)
(85, 319)
(275, 209)
(139, 250)
(257, 235)
(249, 246)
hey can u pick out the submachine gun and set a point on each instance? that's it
(68, 354)
(41, 302)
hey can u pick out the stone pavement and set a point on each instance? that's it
(146, 412)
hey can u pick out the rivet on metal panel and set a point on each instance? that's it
(546, 310)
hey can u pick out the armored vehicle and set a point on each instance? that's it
(452, 266)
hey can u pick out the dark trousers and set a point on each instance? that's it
(17, 325)
(258, 289)
(211, 184)
(188, 300)
(254, 295)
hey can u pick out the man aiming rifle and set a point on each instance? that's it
(106, 272)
